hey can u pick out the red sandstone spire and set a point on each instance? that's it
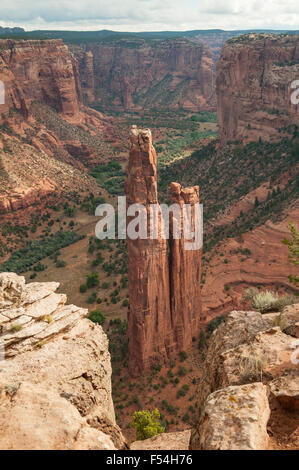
(164, 278)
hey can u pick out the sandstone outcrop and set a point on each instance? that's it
(249, 353)
(235, 418)
(24, 197)
(253, 86)
(55, 372)
(286, 390)
(163, 314)
(164, 441)
(138, 74)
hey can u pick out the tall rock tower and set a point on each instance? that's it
(164, 278)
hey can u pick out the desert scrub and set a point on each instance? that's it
(251, 367)
(46, 318)
(268, 301)
(97, 317)
(278, 321)
(15, 328)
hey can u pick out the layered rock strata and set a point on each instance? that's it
(254, 80)
(137, 74)
(41, 71)
(55, 372)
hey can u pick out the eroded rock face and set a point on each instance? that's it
(185, 274)
(253, 86)
(23, 197)
(11, 289)
(239, 327)
(163, 314)
(39, 71)
(248, 347)
(174, 74)
(286, 390)
(55, 373)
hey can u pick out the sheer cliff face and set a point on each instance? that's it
(39, 71)
(164, 278)
(45, 130)
(254, 76)
(138, 74)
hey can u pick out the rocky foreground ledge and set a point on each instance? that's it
(248, 397)
(55, 376)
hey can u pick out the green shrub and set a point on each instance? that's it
(213, 324)
(182, 371)
(97, 317)
(92, 298)
(147, 424)
(60, 264)
(183, 391)
(183, 355)
(92, 280)
(202, 340)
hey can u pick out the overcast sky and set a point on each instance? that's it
(150, 15)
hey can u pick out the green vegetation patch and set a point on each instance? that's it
(111, 177)
(36, 250)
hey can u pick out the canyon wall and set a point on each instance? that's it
(164, 278)
(137, 74)
(254, 76)
(39, 71)
(44, 123)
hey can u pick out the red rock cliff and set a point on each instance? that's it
(138, 74)
(39, 71)
(164, 279)
(254, 76)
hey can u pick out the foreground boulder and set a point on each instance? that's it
(250, 378)
(235, 418)
(55, 372)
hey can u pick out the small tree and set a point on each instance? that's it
(147, 424)
(183, 355)
(97, 317)
(293, 246)
(202, 340)
(92, 280)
